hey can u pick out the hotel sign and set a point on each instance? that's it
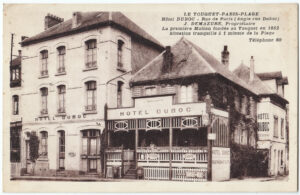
(157, 107)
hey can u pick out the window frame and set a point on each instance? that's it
(91, 52)
(186, 94)
(61, 59)
(120, 57)
(16, 104)
(44, 144)
(91, 93)
(61, 92)
(120, 90)
(282, 128)
(275, 126)
(44, 100)
(44, 55)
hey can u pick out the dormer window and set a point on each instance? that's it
(120, 54)
(44, 63)
(61, 52)
(91, 53)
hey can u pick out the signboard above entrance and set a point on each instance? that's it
(157, 107)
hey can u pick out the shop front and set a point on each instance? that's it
(158, 140)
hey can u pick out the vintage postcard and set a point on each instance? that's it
(150, 97)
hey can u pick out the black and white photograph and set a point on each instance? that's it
(186, 97)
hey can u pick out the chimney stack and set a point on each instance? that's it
(76, 19)
(20, 53)
(168, 60)
(225, 56)
(251, 69)
(51, 20)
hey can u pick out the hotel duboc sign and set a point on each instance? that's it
(157, 107)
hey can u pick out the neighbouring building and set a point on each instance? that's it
(188, 109)
(15, 115)
(70, 73)
(272, 115)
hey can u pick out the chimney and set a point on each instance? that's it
(20, 53)
(251, 69)
(23, 38)
(51, 20)
(225, 56)
(76, 19)
(168, 60)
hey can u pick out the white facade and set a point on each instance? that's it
(271, 137)
(76, 118)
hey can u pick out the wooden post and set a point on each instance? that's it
(170, 149)
(136, 143)
(209, 142)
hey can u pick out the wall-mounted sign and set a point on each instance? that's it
(211, 136)
(156, 107)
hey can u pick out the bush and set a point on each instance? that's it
(248, 161)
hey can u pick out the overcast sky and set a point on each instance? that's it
(29, 20)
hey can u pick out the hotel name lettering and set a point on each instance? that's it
(63, 117)
(163, 111)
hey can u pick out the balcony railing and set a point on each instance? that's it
(44, 111)
(61, 70)
(90, 65)
(61, 110)
(90, 108)
(44, 73)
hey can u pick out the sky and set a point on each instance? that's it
(28, 20)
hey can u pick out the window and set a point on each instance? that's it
(44, 94)
(91, 53)
(61, 98)
(119, 94)
(44, 62)
(61, 148)
(15, 143)
(15, 105)
(91, 96)
(120, 53)
(282, 128)
(44, 144)
(61, 59)
(91, 148)
(275, 126)
(186, 93)
(150, 91)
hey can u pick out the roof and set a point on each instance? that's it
(270, 75)
(189, 60)
(257, 84)
(243, 72)
(16, 61)
(90, 20)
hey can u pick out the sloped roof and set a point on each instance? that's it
(270, 75)
(189, 60)
(92, 20)
(243, 72)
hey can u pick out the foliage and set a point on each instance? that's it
(248, 161)
(33, 146)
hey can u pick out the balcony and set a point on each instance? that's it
(90, 66)
(61, 110)
(44, 73)
(44, 111)
(15, 83)
(90, 108)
